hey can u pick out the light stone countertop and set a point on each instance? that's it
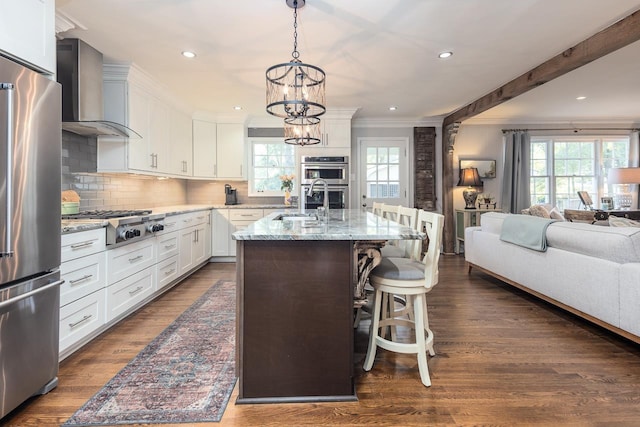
(343, 224)
(76, 225)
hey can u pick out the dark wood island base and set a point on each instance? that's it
(294, 321)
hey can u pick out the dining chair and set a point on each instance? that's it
(413, 278)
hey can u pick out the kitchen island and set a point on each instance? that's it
(296, 277)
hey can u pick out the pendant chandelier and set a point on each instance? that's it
(302, 130)
(295, 89)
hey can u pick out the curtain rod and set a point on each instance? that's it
(573, 129)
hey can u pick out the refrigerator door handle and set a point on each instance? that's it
(29, 294)
(7, 251)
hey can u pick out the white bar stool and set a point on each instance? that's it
(412, 278)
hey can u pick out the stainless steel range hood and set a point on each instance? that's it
(80, 74)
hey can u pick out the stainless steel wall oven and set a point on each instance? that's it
(332, 169)
(338, 196)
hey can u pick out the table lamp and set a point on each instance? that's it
(469, 177)
(624, 176)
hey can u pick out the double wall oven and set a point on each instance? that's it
(335, 171)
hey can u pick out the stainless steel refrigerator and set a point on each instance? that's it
(30, 145)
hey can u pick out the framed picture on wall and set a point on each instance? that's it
(486, 168)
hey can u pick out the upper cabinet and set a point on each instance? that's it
(336, 133)
(218, 150)
(164, 148)
(205, 162)
(27, 33)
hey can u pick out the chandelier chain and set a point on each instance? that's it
(295, 54)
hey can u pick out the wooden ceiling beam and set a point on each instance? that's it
(612, 38)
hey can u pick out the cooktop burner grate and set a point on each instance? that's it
(105, 214)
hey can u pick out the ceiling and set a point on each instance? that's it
(376, 54)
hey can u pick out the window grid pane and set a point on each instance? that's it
(578, 164)
(270, 160)
(383, 173)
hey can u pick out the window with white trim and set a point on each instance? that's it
(560, 166)
(270, 158)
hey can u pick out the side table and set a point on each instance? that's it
(468, 218)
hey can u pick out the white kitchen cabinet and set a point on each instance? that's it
(82, 276)
(204, 149)
(336, 133)
(218, 150)
(230, 150)
(126, 260)
(166, 272)
(180, 160)
(81, 318)
(167, 245)
(82, 295)
(28, 33)
(220, 232)
(225, 223)
(125, 294)
(76, 245)
(131, 98)
(193, 240)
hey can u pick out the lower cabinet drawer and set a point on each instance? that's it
(166, 271)
(167, 245)
(123, 295)
(81, 277)
(81, 317)
(126, 260)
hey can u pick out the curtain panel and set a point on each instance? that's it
(515, 181)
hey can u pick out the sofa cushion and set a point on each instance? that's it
(617, 244)
(539, 210)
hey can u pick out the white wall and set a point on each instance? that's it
(478, 142)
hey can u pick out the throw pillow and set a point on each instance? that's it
(539, 210)
(616, 221)
(556, 214)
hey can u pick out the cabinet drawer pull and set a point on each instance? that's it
(187, 220)
(138, 258)
(81, 279)
(169, 224)
(83, 244)
(136, 290)
(168, 272)
(84, 319)
(170, 246)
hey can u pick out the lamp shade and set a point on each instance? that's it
(469, 177)
(624, 176)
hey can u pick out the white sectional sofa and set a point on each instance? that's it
(590, 270)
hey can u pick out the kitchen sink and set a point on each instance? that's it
(298, 216)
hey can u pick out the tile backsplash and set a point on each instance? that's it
(130, 191)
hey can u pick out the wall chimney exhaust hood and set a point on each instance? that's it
(79, 72)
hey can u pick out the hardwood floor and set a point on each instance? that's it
(502, 358)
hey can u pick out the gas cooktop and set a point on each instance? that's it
(106, 214)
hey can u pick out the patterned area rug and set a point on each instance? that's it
(185, 375)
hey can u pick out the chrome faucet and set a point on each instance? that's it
(325, 202)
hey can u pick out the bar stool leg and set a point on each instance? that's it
(373, 332)
(420, 314)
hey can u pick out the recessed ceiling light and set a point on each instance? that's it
(444, 55)
(393, 108)
(580, 98)
(188, 54)
(237, 108)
